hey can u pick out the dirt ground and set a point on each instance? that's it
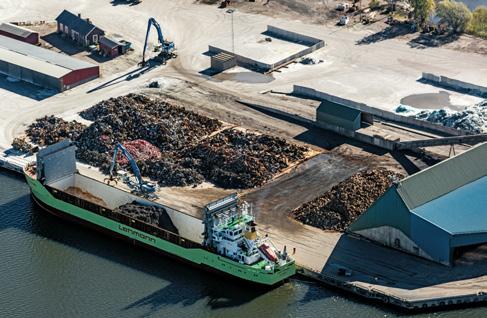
(50, 39)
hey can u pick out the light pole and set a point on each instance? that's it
(231, 11)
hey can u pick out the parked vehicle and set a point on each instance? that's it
(344, 20)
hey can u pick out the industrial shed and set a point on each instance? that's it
(19, 33)
(434, 213)
(335, 114)
(43, 67)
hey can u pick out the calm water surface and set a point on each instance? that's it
(50, 268)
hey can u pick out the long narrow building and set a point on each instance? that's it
(43, 67)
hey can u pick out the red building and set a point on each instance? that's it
(19, 33)
(43, 67)
(109, 47)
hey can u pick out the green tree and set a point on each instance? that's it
(422, 9)
(478, 24)
(455, 14)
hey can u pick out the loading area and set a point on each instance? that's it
(264, 52)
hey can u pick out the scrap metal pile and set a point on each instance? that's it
(346, 201)
(21, 145)
(154, 215)
(49, 130)
(171, 145)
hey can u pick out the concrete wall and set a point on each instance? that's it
(389, 236)
(242, 61)
(292, 36)
(372, 140)
(222, 65)
(455, 84)
(314, 94)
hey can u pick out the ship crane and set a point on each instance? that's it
(167, 47)
(141, 187)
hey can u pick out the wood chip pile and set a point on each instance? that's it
(346, 201)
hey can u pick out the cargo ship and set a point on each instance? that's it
(225, 240)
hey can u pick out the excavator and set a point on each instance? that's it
(140, 187)
(167, 47)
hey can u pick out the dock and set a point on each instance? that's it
(342, 260)
(13, 162)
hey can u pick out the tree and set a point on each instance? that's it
(455, 14)
(478, 24)
(422, 9)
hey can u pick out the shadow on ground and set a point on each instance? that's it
(426, 40)
(25, 89)
(390, 32)
(64, 45)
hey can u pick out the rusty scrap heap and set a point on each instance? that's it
(171, 145)
(346, 201)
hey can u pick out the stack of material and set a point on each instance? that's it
(171, 145)
(23, 146)
(345, 202)
(234, 159)
(164, 125)
(150, 214)
(171, 172)
(49, 130)
(140, 150)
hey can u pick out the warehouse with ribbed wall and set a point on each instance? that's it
(43, 67)
(434, 213)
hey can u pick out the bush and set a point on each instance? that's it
(478, 24)
(422, 9)
(455, 14)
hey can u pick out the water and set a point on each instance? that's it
(50, 268)
(472, 4)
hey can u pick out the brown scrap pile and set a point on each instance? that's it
(345, 202)
(21, 145)
(49, 130)
(234, 159)
(155, 215)
(164, 125)
(171, 145)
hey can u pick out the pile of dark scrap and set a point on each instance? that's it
(168, 127)
(172, 145)
(346, 201)
(49, 130)
(21, 145)
(234, 159)
(151, 214)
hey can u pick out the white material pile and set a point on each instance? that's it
(472, 118)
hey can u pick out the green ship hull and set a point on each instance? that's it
(196, 256)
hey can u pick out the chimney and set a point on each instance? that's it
(88, 20)
(79, 15)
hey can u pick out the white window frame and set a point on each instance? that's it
(95, 38)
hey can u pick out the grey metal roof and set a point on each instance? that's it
(444, 177)
(338, 110)
(39, 59)
(108, 42)
(74, 22)
(461, 211)
(16, 30)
